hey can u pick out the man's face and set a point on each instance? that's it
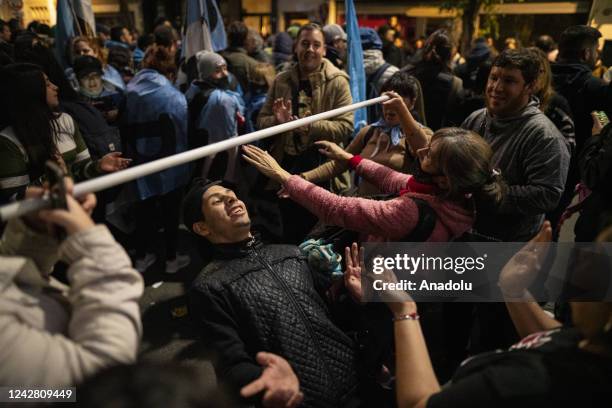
(341, 45)
(507, 93)
(226, 219)
(310, 49)
(5, 35)
(126, 36)
(220, 72)
(92, 83)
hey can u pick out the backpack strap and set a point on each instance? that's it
(425, 224)
(376, 75)
(368, 135)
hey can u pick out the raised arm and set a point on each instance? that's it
(392, 218)
(387, 180)
(104, 327)
(416, 136)
(516, 277)
(334, 168)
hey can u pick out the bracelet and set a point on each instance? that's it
(411, 316)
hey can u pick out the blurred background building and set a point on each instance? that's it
(412, 19)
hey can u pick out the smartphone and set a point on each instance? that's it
(602, 118)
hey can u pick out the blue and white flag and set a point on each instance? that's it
(74, 18)
(204, 28)
(355, 63)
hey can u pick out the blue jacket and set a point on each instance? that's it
(149, 94)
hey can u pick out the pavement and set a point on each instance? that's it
(169, 333)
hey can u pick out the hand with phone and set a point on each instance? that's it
(600, 120)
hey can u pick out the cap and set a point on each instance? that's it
(85, 65)
(370, 40)
(208, 62)
(192, 203)
(333, 32)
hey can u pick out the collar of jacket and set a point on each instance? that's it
(240, 50)
(501, 125)
(236, 249)
(326, 72)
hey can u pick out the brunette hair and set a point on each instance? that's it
(465, 159)
(161, 60)
(543, 88)
(309, 27)
(263, 74)
(438, 48)
(25, 109)
(523, 60)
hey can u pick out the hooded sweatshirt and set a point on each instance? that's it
(390, 220)
(533, 158)
(585, 94)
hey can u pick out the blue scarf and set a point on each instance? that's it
(394, 132)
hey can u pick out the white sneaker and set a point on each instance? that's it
(142, 264)
(177, 263)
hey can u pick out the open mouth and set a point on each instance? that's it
(236, 211)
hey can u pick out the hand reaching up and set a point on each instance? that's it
(522, 269)
(353, 258)
(282, 110)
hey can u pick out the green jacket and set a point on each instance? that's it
(14, 160)
(330, 90)
(241, 65)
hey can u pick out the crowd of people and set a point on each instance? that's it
(490, 147)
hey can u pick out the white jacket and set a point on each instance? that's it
(55, 335)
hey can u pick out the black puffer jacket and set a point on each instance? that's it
(256, 297)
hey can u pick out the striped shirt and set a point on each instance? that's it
(14, 160)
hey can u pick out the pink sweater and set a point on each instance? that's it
(380, 220)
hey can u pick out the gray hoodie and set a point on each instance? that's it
(533, 158)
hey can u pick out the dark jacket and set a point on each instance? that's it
(585, 94)
(99, 136)
(533, 158)
(240, 64)
(441, 90)
(333, 56)
(595, 163)
(256, 297)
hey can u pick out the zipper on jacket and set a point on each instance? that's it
(294, 302)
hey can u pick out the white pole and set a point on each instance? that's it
(20, 208)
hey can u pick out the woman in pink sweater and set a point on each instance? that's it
(457, 179)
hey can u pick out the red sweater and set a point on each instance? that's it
(389, 220)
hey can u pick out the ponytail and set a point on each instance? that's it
(490, 195)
